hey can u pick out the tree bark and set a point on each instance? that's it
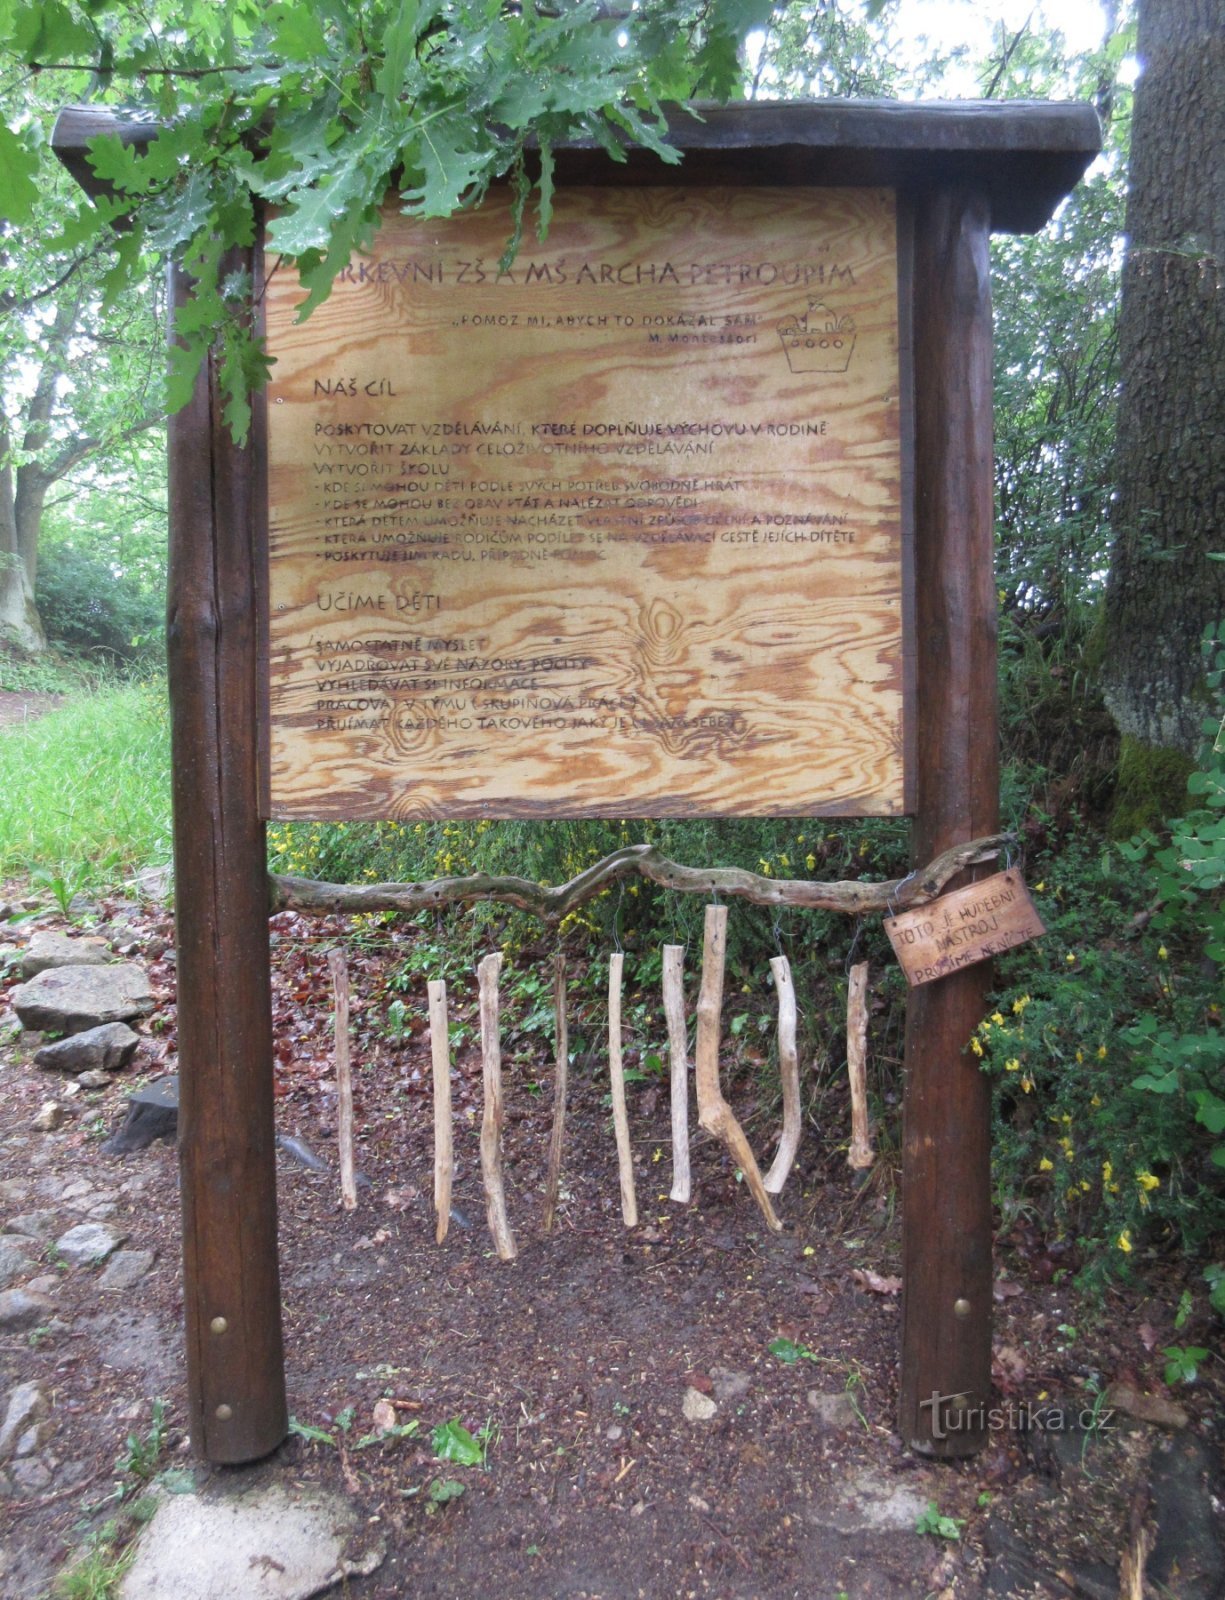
(1170, 508)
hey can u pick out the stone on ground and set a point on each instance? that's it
(153, 1113)
(25, 1421)
(14, 1263)
(105, 1049)
(124, 1270)
(88, 1243)
(21, 1309)
(47, 950)
(72, 999)
(264, 1544)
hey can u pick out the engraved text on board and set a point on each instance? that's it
(615, 532)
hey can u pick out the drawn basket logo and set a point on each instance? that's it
(818, 341)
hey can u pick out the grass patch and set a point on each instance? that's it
(85, 790)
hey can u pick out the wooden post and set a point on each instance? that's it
(232, 1298)
(561, 1080)
(859, 1155)
(444, 1151)
(674, 1010)
(789, 1075)
(946, 1190)
(616, 1078)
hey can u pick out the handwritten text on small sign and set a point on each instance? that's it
(969, 925)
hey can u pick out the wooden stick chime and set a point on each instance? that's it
(678, 1052)
(561, 1074)
(860, 1155)
(344, 1079)
(444, 1153)
(715, 1115)
(491, 1122)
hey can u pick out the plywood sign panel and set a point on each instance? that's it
(616, 532)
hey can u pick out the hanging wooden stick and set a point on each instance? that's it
(789, 1072)
(491, 1121)
(714, 1113)
(444, 1155)
(860, 1155)
(344, 1079)
(674, 1010)
(616, 1073)
(561, 1074)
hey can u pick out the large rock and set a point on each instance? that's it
(14, 1263)
(21, 1309)
(271, 1543)
(88, 1243)
(105, 1049)
(48, 949)
(24, 1418)
(72, 999)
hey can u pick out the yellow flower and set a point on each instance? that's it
(1046, 1165)
(1162, 953)
(1096, 1101)
(1080, 1057)
(1019, 1005)
(1012, 1066)
(658, 1156)
(810, 861)
(1107, 1171)
(1038, 887)
(1101, 1052)
(1070, 958)
(1148, 1180)
(1124, 1242)
(808, 1250)
(997, 1019)
(976, 1047)
(1028, 1085)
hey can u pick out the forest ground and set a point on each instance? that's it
(576, 1364)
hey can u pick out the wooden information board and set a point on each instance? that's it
(616, 532)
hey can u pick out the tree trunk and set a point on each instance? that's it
(1170, 507)
(19, 619)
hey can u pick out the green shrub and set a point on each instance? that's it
(85, 607)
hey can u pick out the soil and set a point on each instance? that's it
(572, 1363)
(18, 706)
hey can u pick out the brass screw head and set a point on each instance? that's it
(961, 1308)
(224, 1413)
(219, 1325)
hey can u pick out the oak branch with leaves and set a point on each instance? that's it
(313, 110)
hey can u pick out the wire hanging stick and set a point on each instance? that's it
(616, 1074)
(344, 1079)
(491, 1121)
(561, 1073)
(444, 1153)
(860, 1154)
(674, 1010)
(714, 1113)
(789, 1072)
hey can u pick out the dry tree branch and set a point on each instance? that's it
(854, 897)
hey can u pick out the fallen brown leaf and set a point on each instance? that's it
(867, 1279)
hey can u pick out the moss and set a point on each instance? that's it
(1152, 787)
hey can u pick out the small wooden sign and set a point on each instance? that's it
(969, 925)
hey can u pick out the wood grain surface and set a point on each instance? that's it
(618, 532)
